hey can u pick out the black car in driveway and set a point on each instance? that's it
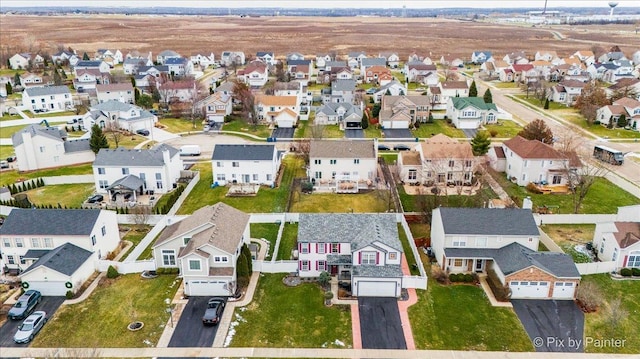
(96, 198)
(212, 315)
(143, 132)
(384, 148)
(401, 148)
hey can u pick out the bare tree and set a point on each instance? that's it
(589, 296)
(590, 100)
(449, 75)
(317, 131)
(243, 94)
(616, 312)
(140, 215)
(581, 171)
(113, 133)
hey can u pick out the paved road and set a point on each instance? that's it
(552, 325)
(189, 330)
(380, 324)
(9, 328)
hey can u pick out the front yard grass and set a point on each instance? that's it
(288, 241)
(599, 325)
(9, 177)
(53, 114)
(111, 307)
(372, 131)
(268, 231)
(573, 116)
(291, 317)
(373, 201)
(64, 195)
(603, 197)
(460, 317)
(7, 132)
(179, 125)
(504, 129)
(5, 151)
(431, 129)
(505, 85)
(8, 117)
(238, 125)
(126, 141)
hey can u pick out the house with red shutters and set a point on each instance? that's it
(619, 240)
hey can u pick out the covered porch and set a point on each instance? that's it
(339, 265)
(126, 189)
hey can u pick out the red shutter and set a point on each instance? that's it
(338, 247)
(359, 257)
(326, 247)
(624, 263)
(377, 257)
(299, 265)
(317, 262)
(316, 249)
(299, 247)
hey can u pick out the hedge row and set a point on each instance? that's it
(628, 272)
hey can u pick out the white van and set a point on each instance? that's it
(190, 150)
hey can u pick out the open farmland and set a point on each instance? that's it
(190, 34)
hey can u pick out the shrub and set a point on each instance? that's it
(328, 295)
(493, 133)
(500, 291)
(635, 272)
(531, 187)
(111, 256)
(324, 278)
(160, 270)
(439, 275)
(467, 278)
(626, 272)
(69, 294)
(589, 297)
(112, 272)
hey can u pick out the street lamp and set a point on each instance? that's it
(169, 310)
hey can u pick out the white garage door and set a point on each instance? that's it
(529, 289)
(466, 124)
(376, 289)
(386, 124)
(206, 288)
(399, 124)
(285, 123)
(564, 290)
(49, 288)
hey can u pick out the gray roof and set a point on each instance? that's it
(358, 229)
(343, 85)
(113, 105)
(133, 157)
(78, 145)
(131, 182)
(166, 53)
(55, 222)
(298, 62)
(135, 61)
(515, 257)
(393, 82)
(331, 107)
(387, 270)
(374, 61)
(342, 149)
(65, 259)
(89, 63)
(37, 130)
(47, 90)
(225, 86)
(35, 253)
(244, 152)
(489, 221)
(336, 259)
(160, 68)
(175, 61)
(335, 64)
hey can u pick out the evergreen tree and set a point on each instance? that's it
(480, 143)
(85, 57)
(376, 110)
(364, 123)
(488, 97)
(136, 94)
(546, 104)
(473, 90)
(9, 88)
(16, 78)
(98, 139)
(133, 81)
(247, 253)
(57, 80)
(622, 121)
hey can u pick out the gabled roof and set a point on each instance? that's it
(244, 152)
(114, 87)
(298, 62)
(77, 145)
(343, 85)
(443, 147)
(499, 151)
(342, 149)
(133, 157)
(175, 61)
(54, 222)
(488, 221)
(130, 182)
(463, 102)
(332, 107)
(573, 83)
(47, 91)
(88, 63)
(170, 53)
(335, 63)
(487, 54)
(627, 234)
(373, 61)
(532, 149)
(421, 66)
(255, 66)
(627, 102)
(65, 259)
(455, 85)
(37, 130)
(114, 105)
(622, 83)
(264, 53)
(522, 67)
(272, 100)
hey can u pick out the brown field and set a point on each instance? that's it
(308, 35)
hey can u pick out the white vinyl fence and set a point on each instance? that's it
(275, 266)
(549, 243)
(596, 267)
(542, 219)
(126, 267)
(68, 179)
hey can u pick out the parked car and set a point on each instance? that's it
(25, 304)
(4, 164)
(401, 148)
(371, 91)
(143, 132)
(215, 307)
(206, 128)
(11, 159)
(30, 327)
(153, 112)
(383, 148)
(96, 198)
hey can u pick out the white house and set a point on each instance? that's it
(393, 88)
(38, 147)
(480, 57)
(29, 79)
(267, 57)
(280, 111)
(232, 57)
(63, 56)
(344, 165)
(49, 98)
(626, 106)
(619, 240)
(341, 90)
(403, 111)
(130, 65)
(256, 74)
(87, 79)
(245, 164)
(471, 112)
(51, 247)
(503, 243)
(125, 116)
(91, 65)
(178, 91)
(216, 106)
(534, 161)
(205, 248)
(322, 59)
(567, 91)
(392, 59)
(451, 89)
(111, 57)
(120, 92)
(22, 61)
(203, 60)
(165, 55)
(179, 66)
(344, 114)
(364, 249)
(136, 171)
(419, 72)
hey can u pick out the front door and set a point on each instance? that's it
(245, 178)
(479, 265)
(334, 270)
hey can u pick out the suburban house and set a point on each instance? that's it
(55, 250)
(91, 65)
(340, 91)
(354, 58)
(165, 55)
(256, 74)
(120, 92)
(111, 57)
(136, 171)
(451, 61)
(267, 57)
(25, 60)
(612, 56)
(417, 57)
(299, 69)
(216, 107)
(346, 115)
(533, 161)
(626, 86)
(29, 79)
(503, 243)
(451, 89)
(378, 75)
(524, 73)
(545, 55)
(179, 66)
(419, 72)
(151, 76)
(392, 59)
(37, 147)
(294, 56)
(87, 79)
(626, 106)
(480, 57)
(516, 57)
(471, 112)
(280, 111)
(202, 59)
(364, 249)
(229, 58)
(205, 248)
(494, 68)
(245, 164)
(343, 166)
(114, 114)
(65, 56)
(567, 91)
(49, 98)
(372, 61)
(322, 59)
(438, 160)
(393, 88)
(177, 91)
(619, 240)
(403, 111)
(586, 57)
(131, 65)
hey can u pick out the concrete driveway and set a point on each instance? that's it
(380, 324)
(189, 330)
(552, 325)
(355, 133)
(160, 135)
(9, 328)
(402, 133)
(470, 133)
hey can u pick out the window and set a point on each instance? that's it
(93, 240)
(322, 266)
(103, 184)
(332, 162)
(255, 177)
(269, 177)
(48, 242)
(304, 265)
(11, 260)
(194, 264)
(6, 242)
(460, 242)
(219, 164)
(450, 176)
(526, 163)
(100, 170)
(333, 175)
(452, 163)
(185, 240)
(413, 174)
(356, 161)
(634, 259)
(304, 248)
(235, 164)
(457, 262)
(220, 177)
(318, 175)
(467, 163)
(317, 162)
(368, 258)
(125, 171)
(19, 242)
(35, 242)
(335, 247)
(41, 149)
(393, 256)
(320, 248)
(104, 230)
(168, 257)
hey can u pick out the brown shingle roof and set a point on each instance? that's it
(411, 158)
(499, 152)
(342, 149)
(443, 147)
(270, 100)
(628, 233)
(455, 85)
(114, 87)
(532, 149)
(622, 83)
(627, 102)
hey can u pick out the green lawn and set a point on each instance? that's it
(460, 317)
(437, 126)
(576, 118)
(374, 201)
(7, 132)
(603, 197)
(126, 141)
(372, 131)
(303, 322)
(178, 125)
(241, 126)
(506, 85)
(5, 151)
(268, 231)
(301, 130)
(504, 129)
(52, 114)
(288, 241)
(111, 307)
(8, 117)
(9, 177)
(417, 203)
(533, 102)
(135, 235)
(598, 326)
(406, 248)
(390, 157)
(69, 195)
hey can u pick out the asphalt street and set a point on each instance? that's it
(380, 324)
(9, 328)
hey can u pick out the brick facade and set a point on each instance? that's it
(533, 274)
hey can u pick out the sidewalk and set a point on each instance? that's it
(495, 186)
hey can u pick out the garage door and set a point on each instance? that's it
(564, 290)
(285, 123)
(206, 287)
(386, 124)
(465, 125)
(376, 289)
(399, 124)
(49, 288)
(529, 289)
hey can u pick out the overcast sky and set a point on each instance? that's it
(322, 4)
